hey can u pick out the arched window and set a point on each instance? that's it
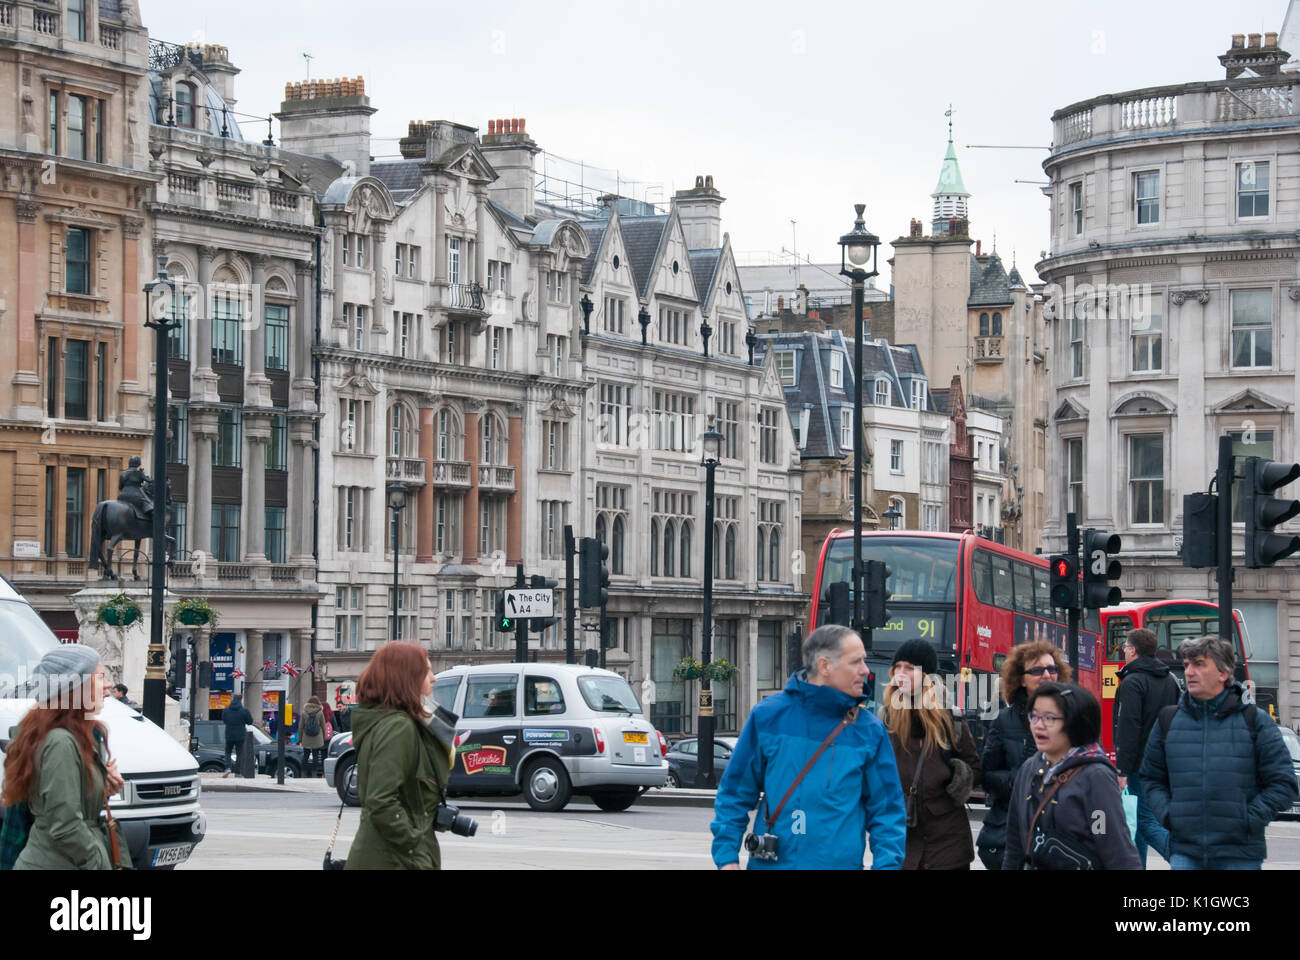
(670, 541)
(654, 548)
(774, 556)
(485, 451)
(397, 432)
(984, 324)
(184, 105)
(444, 434)
(685, 558)
(730, 573)
(600, 528)
(997, 324)
(616, 548)
(762, 545)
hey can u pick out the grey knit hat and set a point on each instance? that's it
(63, 670)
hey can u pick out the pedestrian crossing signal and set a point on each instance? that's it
(503, 622)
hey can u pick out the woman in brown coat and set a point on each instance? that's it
(924, 732)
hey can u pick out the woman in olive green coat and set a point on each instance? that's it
(402, 767)
(58, 763)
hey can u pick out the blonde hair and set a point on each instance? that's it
(932, 711)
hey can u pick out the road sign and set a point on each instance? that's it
(530, 603)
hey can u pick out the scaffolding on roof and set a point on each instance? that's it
(578, 187)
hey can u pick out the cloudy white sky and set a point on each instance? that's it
(797, 109)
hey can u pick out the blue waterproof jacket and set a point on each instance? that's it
(852, 790)
(1209, 787)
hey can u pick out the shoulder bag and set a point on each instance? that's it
(1061, 781)
(849, 718)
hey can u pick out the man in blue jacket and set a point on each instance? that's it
(851, 791)
(1214, 776)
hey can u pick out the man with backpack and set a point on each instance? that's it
(1145, 688)
(1216, 770)
(311, 736)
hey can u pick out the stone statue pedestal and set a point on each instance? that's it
(124, 650)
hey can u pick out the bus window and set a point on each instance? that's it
(1091, 621)
(1002, 595)
(1117, 629)
(1024, 578)
(923, 569)
(980, 576)
(1042, 593)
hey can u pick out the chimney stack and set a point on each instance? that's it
(1238, 41)
(1254, 41)
(220, 71)
(328, 118)
(510, 150)
(700, 212)
(915, 229)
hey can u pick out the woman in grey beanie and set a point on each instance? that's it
(58, 764)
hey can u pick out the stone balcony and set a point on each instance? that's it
(406, 469)
(462, 299)
(1172, 110)
(496, 479)
(451, 473)
(988, 350)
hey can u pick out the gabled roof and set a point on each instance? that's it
(989, 284)
(595, 231)
(642, 237)
(704, 266)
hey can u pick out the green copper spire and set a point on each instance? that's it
(950, 182)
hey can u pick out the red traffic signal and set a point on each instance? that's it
(1064, 582)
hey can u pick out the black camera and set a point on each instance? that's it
(761, 847)
(449, 818)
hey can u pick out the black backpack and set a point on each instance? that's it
(311, 724)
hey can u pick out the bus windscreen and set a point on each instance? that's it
(923, 569)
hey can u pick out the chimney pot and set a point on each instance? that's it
(708, 181)
(977, 248)
(1270, 39)
(492, 127)
(523, 121)
(780, 303)
(699, 183)
(1254, 40)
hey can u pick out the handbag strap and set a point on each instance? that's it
(1061, 781)
(329, 851)
(920, 762)
(849, 717)
(112, 830)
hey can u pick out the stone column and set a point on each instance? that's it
(300, 686)
(259, 384)
(515, 508)
(302, 337)
(336, 279)
(253, 672)
(132, 292)
(440, 233)
(424, 499)
(205, 381)
(379, 270)
(203, 432)
(481, 232)
(257, 435)
(302, 492)
(27, 379)
(202, 651)
(474, 410)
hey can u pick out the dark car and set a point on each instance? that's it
(211, 753)
(683, 760)
(1293, 747)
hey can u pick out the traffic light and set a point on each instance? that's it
(540, 624)
(1065, 582)
(1262, 512)
(592, 657)
(1099, 568)
(875, 593)
(502, 622)
(839, 608)
(593, 574)
(180, 657)
(538, 582)
(1200, 530)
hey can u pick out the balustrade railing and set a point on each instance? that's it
(1144, 112)
(46, 23)
(110, 37)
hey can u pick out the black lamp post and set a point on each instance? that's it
(706, 331)
(751, 341)
(643, 318)
(158, 298)
(587, 306)
(893, 515)
(397, 503)
(704, 770)
(858, 263)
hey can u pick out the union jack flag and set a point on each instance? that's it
(237, 674)
(291, 668)
(268, 665)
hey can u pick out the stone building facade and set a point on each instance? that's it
(1173, 316)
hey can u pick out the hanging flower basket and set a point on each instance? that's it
(118, 610)
(720, 671)
(688, 668)
(193, 618)
(195, 612)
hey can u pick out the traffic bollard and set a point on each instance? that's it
(247, 765)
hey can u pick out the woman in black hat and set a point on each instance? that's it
(937, 761)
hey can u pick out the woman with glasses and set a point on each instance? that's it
(1066, 812)
(1008, 740)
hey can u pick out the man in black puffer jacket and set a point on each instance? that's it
(1211, 781)
(1145, 688)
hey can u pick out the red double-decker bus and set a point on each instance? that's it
(973, 600)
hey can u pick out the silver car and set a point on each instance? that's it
(549, 731)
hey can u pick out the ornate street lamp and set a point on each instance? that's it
(397, 503)
(893, 515)
(643, 318)
(159, 294)
(706, 331)
(751, 341)
(587, 306)
(858, 262)
(704, 770)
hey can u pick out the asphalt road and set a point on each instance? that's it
(262, 831)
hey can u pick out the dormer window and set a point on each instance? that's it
(882, 393)
(918, 395)
(184, 105)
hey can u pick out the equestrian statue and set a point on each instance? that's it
(129, 517)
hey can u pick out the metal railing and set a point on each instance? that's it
(465, 296)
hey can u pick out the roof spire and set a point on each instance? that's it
(948, 114)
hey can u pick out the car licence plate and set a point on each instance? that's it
(165, 856)
(632, 737)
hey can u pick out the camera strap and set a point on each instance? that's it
(849, 718)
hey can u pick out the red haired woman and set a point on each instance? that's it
(402, 767)
(59, 765)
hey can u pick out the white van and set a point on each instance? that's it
(159, 806)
